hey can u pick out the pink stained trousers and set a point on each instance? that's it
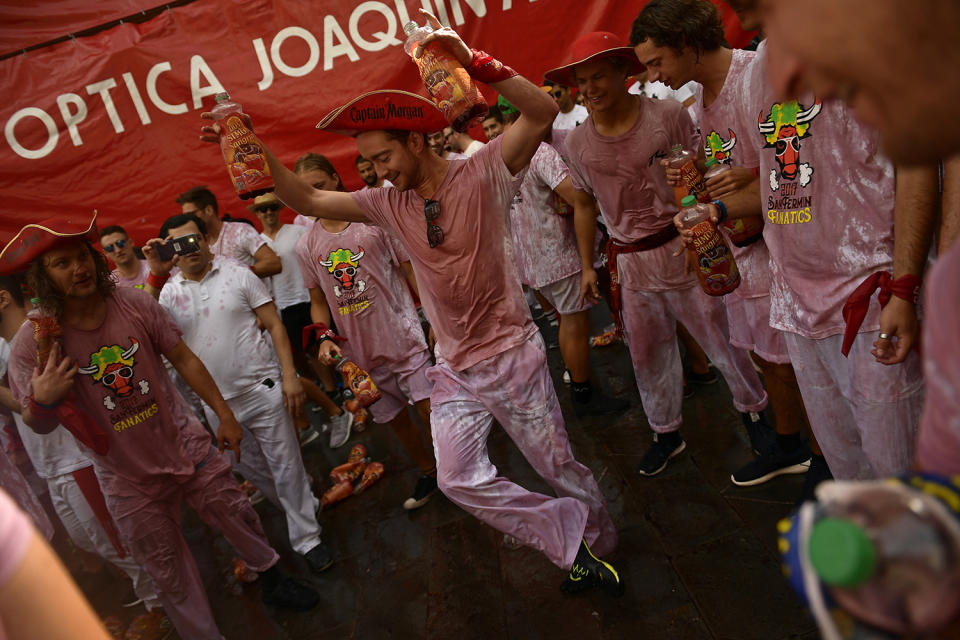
(865, 414)
(514, 388)
(156, 542)
(650, 323)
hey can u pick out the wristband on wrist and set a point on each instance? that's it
(252, 269)
(723, 211)
(485, 68)
(42, 411)
(155, 281)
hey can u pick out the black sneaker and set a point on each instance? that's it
(773, 462)
(658, 455)
(319, 558)
(588, 572)
(762, 435)
(598, 405)
(290, 594)
(710, 377)
(426, 486)
(819, 471)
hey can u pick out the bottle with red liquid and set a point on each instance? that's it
(691, 182)
(358, 381)
(716, 268)
(445, 79)
(242, 152)
(743, 231)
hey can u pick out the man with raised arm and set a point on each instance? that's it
(452, 218)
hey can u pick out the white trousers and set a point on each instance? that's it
(270, 459)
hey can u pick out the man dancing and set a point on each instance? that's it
(452, 219)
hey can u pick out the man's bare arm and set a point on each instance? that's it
(266, 262)
(949, 230)
(294, 192)
(537, 109)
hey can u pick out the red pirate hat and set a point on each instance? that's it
(385, 109)
(35, 239)
(593, 46)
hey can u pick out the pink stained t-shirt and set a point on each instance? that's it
(723, 129)
(366, 291)
(544, 241)
(625, 176)
(938, 445)
(239, 241)
(828, 207)
(154, 438)
(136, 282)
(468, 284)
(623, 172)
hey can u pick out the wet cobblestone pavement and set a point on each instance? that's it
(698, 554)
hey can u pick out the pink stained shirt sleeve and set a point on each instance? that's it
(253, 288)
(550, 167)
(250, 240)
(16, 532)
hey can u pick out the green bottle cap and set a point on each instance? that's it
(677, 147)
(710, 162)
(688, 201)
(841, 553)
(410, 27)
(222, 96)
(35, 302)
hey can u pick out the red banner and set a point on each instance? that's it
(111, 121)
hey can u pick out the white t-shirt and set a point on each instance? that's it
(52, 454)
(572, 118)
(660, 91)
(386, 183)
(218, 322)
(239, 241)
(287, 285)
(472, 148)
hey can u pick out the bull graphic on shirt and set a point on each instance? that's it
(719, 148)
(786, 125)
(344, 264)
(113, 367)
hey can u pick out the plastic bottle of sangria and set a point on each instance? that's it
(716, 268)
(242, 152)
(445, 79)
(691, 182)
(890, 553)
(743, 231)
(358, 381)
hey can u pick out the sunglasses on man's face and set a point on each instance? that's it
(431, 211)
(270, 207)
(119, 244)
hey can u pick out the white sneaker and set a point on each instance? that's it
(566, 377)
(308, 435)
(340, 429)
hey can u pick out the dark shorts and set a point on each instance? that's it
(295, 318)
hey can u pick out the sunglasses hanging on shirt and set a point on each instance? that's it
(431, 211)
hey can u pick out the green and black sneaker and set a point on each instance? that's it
(589, 571)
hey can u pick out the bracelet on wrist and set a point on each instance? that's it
(157, 282)
(485, 68)
(723, 211)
